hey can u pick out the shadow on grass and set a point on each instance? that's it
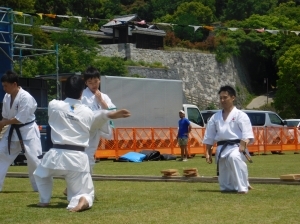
(216, 191)
(16, 192)
(54, 205)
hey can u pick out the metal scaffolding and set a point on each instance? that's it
(21, 41)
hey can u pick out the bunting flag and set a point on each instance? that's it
(260, 30)
(143, 22)
(296, 32)
(50, 15)
(65, 16)
(195, 27)
(18, 13)
(210, 28)
(40, 15)
(275, 32)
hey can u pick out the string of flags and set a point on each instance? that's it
(211, 28)
(143, 22)
(53, 16)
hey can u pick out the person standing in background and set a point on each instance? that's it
(184, 128)
(96, 100)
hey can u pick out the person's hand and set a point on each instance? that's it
(98, 95)
(123, 113)
(1, 125)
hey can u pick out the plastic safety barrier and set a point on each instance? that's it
(267, 139)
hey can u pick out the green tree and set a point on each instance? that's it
(112, 66)
(18, 5)
(288, 93)
(74, 36)
(239, 10)
(289, 10)
(201, 13)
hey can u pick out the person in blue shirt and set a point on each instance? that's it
(184, 128)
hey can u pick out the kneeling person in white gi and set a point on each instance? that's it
(71, 123)
(230, 128)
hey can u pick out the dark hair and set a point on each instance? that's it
(74, 87)
(10, 77)
(90, 73)
(228, 89)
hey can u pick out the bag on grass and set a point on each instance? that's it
(151, 155)
(167, 157)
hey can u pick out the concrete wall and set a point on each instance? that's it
(201, 74)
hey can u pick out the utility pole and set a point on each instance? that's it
(266, 81)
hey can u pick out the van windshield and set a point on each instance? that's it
(257, 119)
(292, 123)
(206, 115)
(195, 116)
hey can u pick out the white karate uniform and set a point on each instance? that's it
(22, 109)
(88, 98)
(233, 172)
(71, 124)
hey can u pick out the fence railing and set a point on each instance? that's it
(164, 140)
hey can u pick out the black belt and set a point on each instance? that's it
(69, 147)
(224, 144)
(17, 128)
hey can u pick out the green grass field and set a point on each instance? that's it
(162, 202)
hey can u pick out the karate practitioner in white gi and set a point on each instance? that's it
(71, 123)
(229, 124)
(18, 113)
(96, 100)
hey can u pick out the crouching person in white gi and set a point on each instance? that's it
(230, 128)
(71, 123)
(22, 133)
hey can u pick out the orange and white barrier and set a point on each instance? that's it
(164, 140)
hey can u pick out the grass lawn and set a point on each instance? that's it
(162, 202)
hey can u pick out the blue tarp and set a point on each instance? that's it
(133, 157)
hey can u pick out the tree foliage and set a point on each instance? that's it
(288, 93)
(265, 55)
(18, 5)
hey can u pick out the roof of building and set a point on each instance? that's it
(149, 31)
(61, 76)
(95, 34)
(120, 20)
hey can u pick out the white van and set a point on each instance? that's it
(258, 118)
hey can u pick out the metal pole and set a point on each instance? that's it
(57, 72)
(11, 23)
(267, 90)
(20, 60)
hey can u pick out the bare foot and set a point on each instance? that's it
(250, 187)
(82, 205)
(42, 205)
(65, 192)
(123, 113)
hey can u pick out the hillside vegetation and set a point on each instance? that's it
(264, 38)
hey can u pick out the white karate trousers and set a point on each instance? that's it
(79, 184)
(233, 173)
(33, 149)
(94, 141)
